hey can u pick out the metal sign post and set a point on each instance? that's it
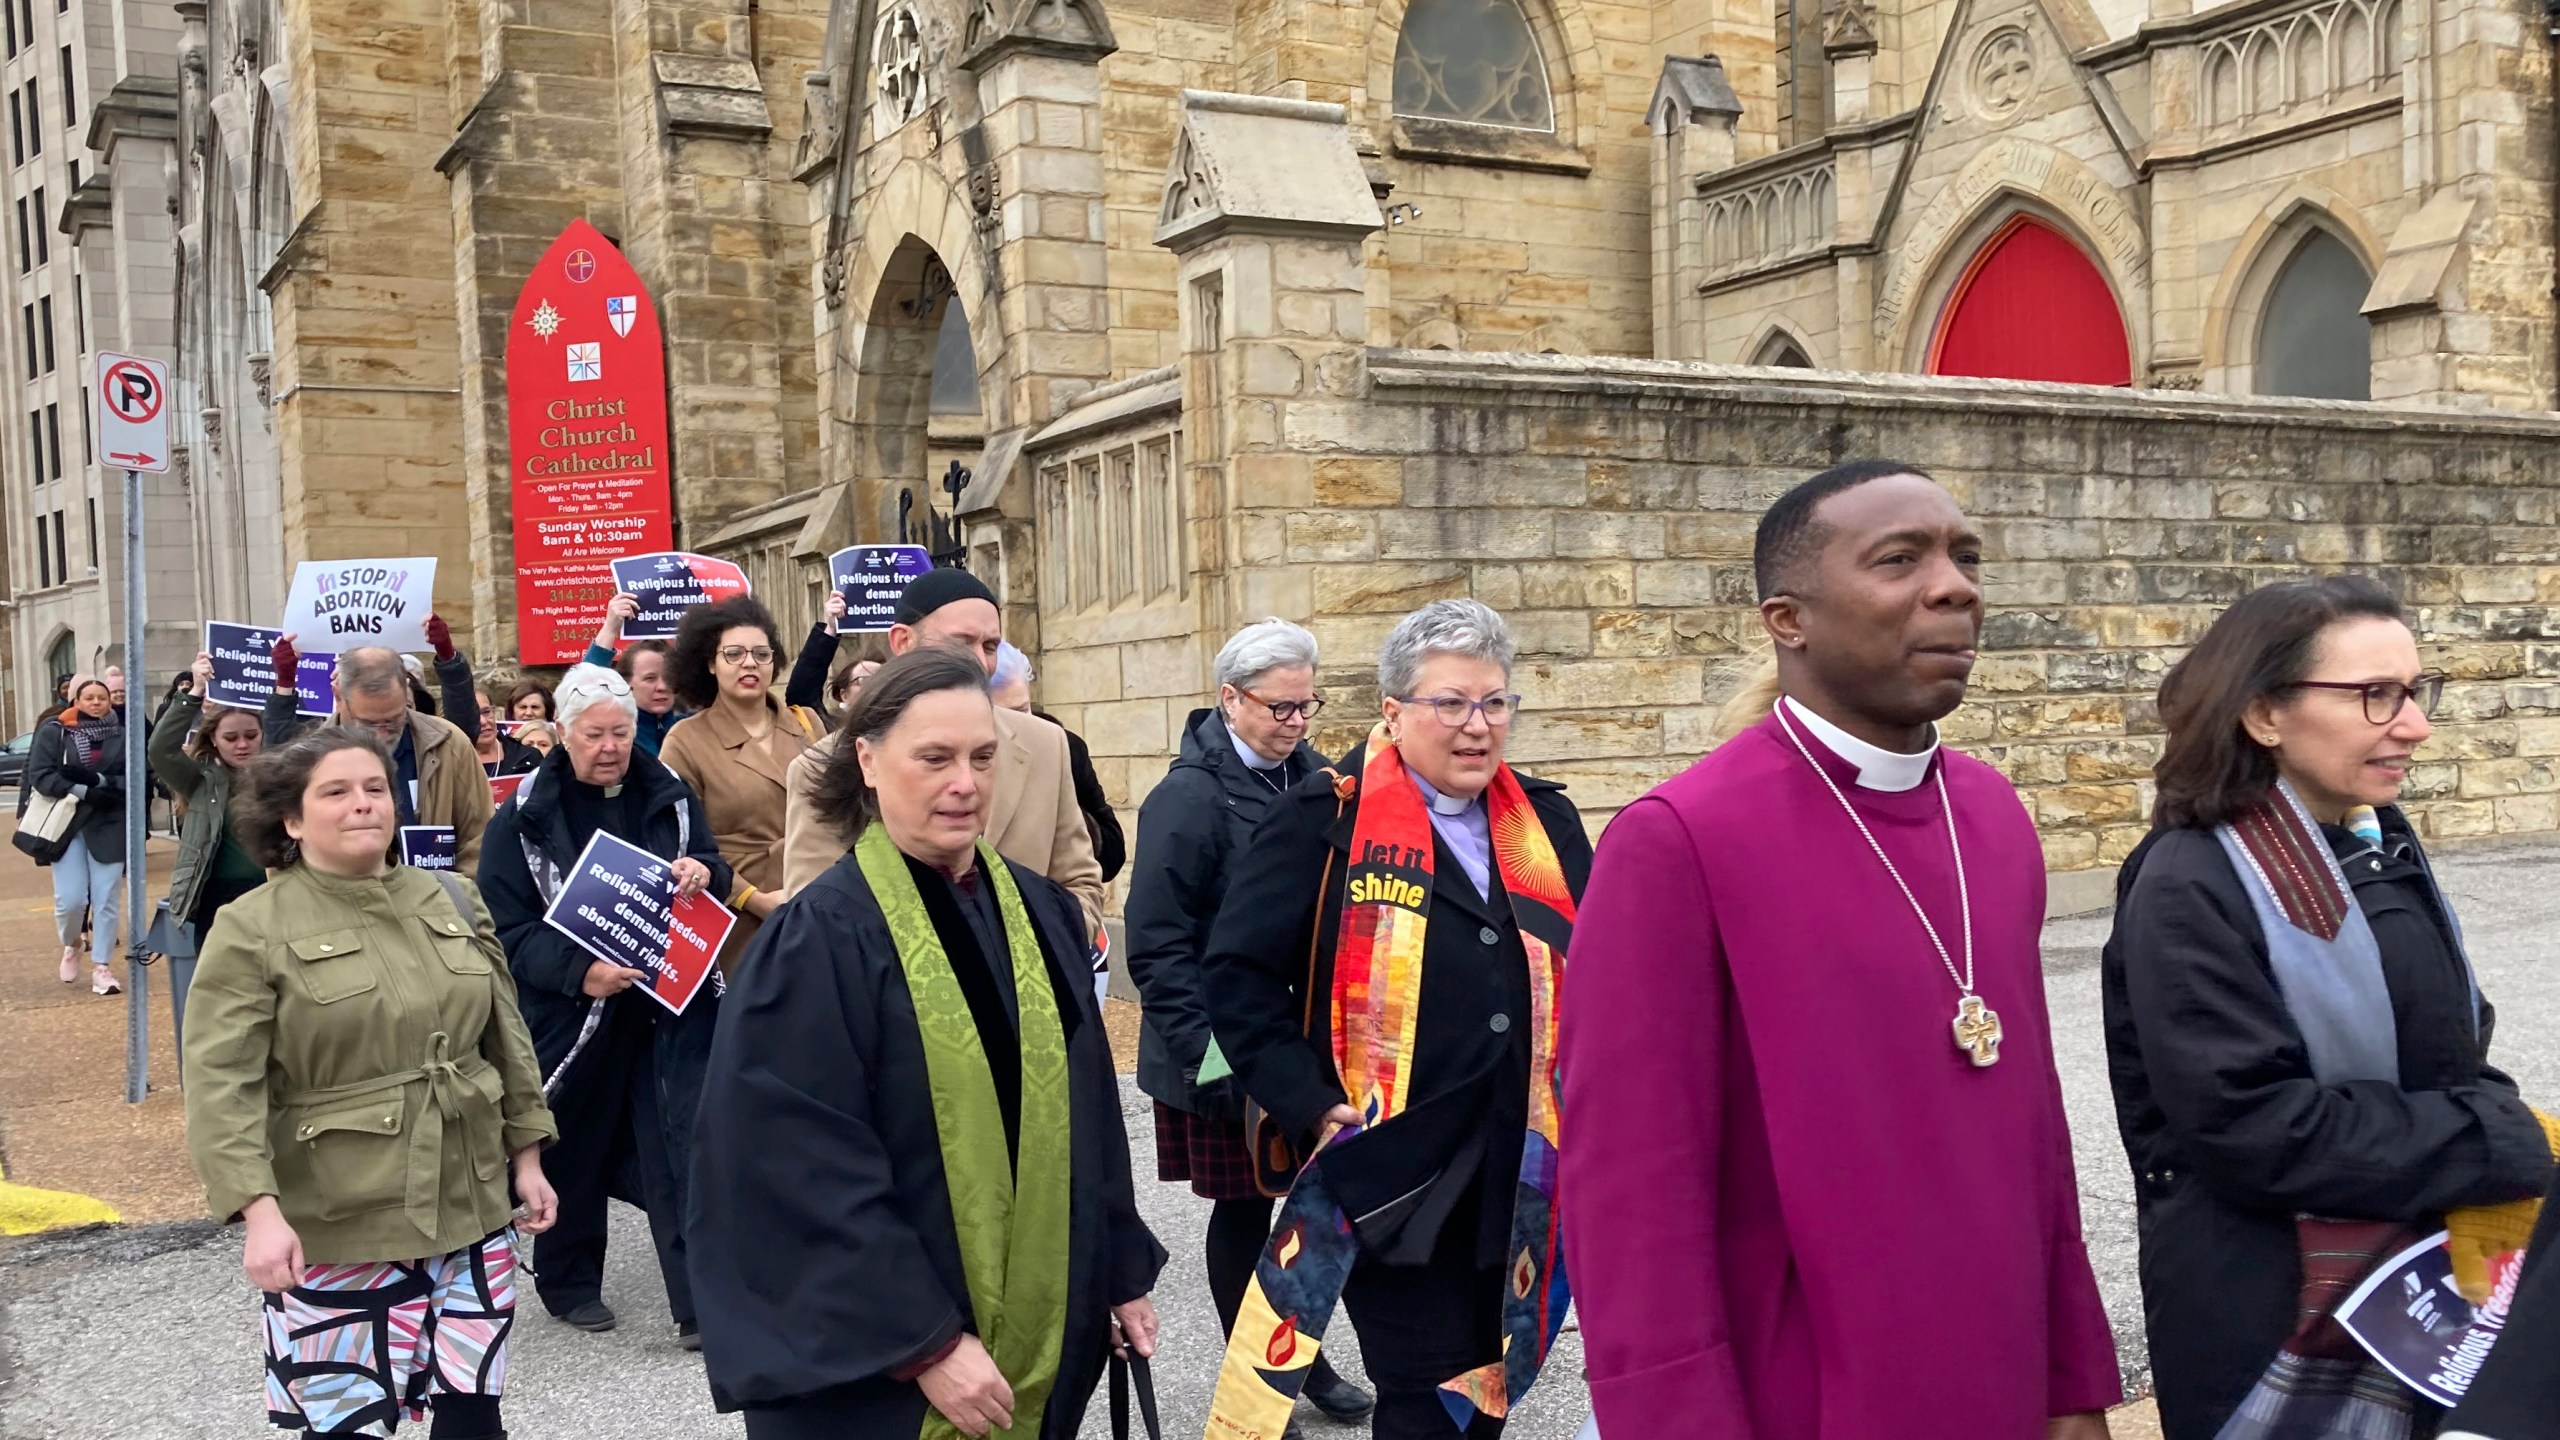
(133, 434)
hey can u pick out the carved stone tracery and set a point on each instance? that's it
(898, 76)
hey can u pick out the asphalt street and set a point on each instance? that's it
(150, 1331)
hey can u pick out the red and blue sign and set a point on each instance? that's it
(620, 905)
(668, 584)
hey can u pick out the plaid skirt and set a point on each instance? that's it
(1207, 1151)
(354, 1349)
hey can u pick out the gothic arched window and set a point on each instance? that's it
(1474, 61)
(2313, 339)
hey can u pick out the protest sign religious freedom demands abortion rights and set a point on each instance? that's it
(339, 605)
(620, 905)
(668, 584)
(871, 578)
(244, 664)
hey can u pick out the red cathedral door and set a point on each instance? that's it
(2032, 306)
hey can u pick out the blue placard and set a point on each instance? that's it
(619, 904)
(244, 664)
(314, 678)
(871, 578)
(429, 847)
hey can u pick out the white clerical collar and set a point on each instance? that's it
(1251, 756)
(1440, 804)
(1878, 768)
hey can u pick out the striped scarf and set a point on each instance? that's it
(1377, 999)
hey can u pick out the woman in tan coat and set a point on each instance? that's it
(360, 1091)
(736, 749)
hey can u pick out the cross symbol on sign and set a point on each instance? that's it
(580, 266)
(1977, 1028)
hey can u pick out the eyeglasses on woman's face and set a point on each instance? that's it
(1285, 711)
(2384, 698)
(1455, 710)
(745, 655)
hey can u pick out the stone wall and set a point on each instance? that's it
(1607, 508)
(366, 374)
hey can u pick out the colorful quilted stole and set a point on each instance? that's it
(1377, 995)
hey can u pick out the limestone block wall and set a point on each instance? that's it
(1607, 507)
(1166, 47)
(366, 374)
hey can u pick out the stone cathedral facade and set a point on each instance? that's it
(1164, 315)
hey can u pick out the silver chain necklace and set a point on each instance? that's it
(1976, 1025)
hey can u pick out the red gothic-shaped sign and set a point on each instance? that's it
(586, 438)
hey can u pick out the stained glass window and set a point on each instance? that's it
(1474, 61)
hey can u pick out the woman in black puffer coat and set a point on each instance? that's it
(80, 752)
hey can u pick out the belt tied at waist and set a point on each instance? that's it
(449, 1089)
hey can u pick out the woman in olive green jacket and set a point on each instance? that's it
(197, 753)
(359, 1086)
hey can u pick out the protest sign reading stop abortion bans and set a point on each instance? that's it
(668, 584)
(337, 605)
(429, 847)
(619, 904)
(244, 664)
(871, 578)
(2408, 1315)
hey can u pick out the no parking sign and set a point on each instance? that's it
(133, 412)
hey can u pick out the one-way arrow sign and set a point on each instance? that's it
(133, 412)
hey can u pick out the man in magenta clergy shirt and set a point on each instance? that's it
(1819, 1176)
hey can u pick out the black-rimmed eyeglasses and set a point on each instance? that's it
(1285, 711)
(2383, 698)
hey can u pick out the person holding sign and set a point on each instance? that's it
(2292, 1026)
(440, 781)
(736, 749)
(912, 1204)
(1032, 817)
(199, 752)
(361, 1092)
(622, 1073)
(643, 664)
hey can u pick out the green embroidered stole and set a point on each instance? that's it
(1013, 1227)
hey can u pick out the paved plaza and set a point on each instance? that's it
(148, 1330)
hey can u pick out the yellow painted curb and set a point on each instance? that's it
(25, 1210)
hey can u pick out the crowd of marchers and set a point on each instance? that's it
(1761, 1088)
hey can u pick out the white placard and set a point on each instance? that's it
(338, 605)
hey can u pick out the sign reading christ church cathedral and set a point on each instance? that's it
(587, 438)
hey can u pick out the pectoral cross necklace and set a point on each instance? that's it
(1976, 1026)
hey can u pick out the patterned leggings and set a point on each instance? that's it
(354, 1349)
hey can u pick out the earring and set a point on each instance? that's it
(2267, 740)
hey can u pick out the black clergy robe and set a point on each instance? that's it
(825, 1259)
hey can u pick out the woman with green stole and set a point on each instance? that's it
(912, 1212)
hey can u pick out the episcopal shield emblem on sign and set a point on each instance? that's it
(622, 310)
(586, 362)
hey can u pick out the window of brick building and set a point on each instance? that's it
(1475, 61)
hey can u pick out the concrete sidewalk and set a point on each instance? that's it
(150, 1330)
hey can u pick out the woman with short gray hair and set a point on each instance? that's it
(1432, 966)
(1238, 757)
